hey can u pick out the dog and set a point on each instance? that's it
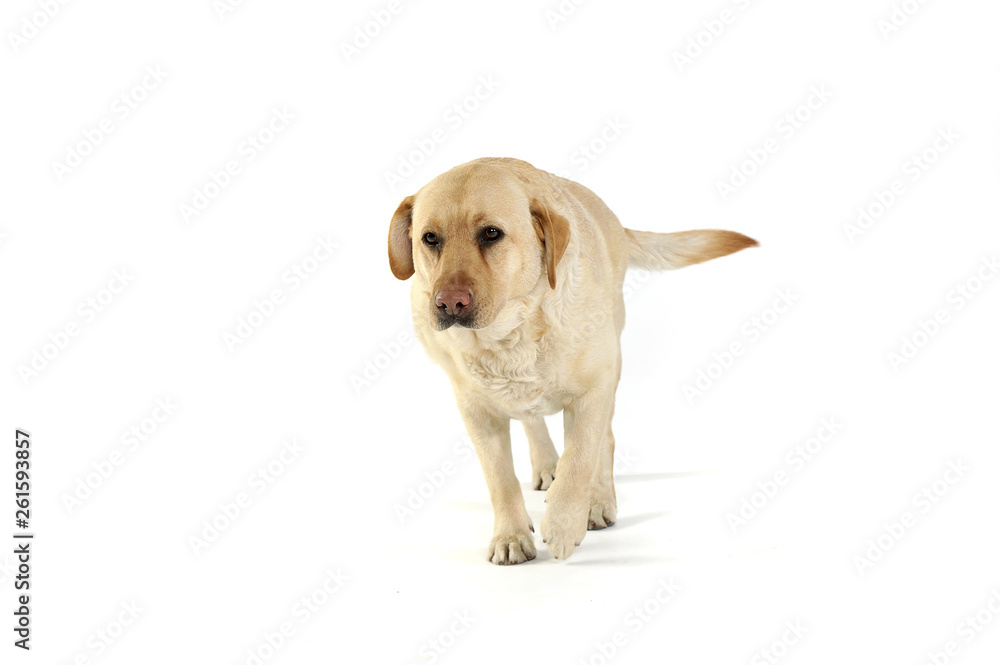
(517, 294)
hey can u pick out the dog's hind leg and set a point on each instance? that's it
(603, 504)
(543, 453)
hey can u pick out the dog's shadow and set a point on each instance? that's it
(628, 521)
(535, 499)
(643, 477)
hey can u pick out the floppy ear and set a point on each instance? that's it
(553, 231)
(400, 244)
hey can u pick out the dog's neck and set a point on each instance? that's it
(505, 355)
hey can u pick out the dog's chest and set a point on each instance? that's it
(516, 377)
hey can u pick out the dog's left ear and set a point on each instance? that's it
(400, 243)
(553, 231)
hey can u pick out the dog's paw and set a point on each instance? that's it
(562, 531)
(602, 515)
(542, 478)
(512, 548)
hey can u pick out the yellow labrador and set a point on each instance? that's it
(517, 294)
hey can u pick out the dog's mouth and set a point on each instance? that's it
(464, 320)
(447, 312)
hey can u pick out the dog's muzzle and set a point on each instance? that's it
(454, 306)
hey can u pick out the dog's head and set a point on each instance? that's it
(477, 237)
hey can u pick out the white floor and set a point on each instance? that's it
(228, 410)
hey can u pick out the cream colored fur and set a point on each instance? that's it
(536, 348)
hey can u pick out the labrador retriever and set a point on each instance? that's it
(517, 294)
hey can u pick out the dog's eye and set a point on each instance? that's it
(492, 233)
(430, 239)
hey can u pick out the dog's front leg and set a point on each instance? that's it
(585, 421)
(512, 530)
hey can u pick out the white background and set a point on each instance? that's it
(371, 442)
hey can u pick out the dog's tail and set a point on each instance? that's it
(667, 251)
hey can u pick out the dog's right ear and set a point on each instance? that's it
(400, 243)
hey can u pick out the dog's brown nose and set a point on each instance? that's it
(453, 300)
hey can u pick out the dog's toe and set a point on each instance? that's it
(601, 516)
(506, 550)
(543, 479)
(562, 534)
